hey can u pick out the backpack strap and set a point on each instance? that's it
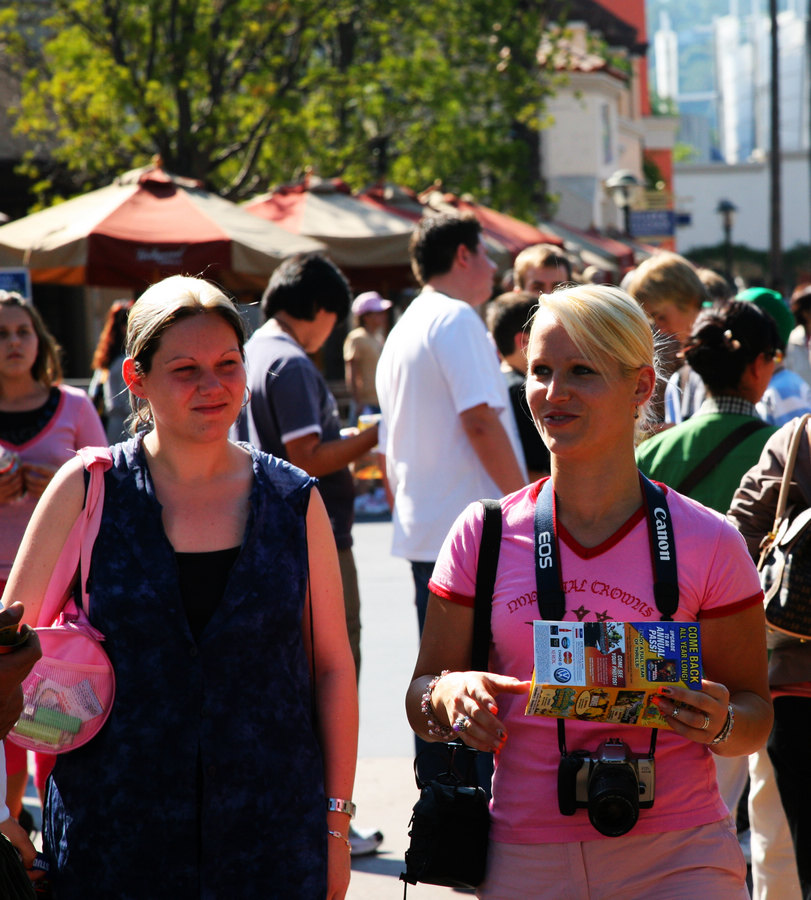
(711, 460)
(485, 584)
(78, 546)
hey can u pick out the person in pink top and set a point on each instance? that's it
(591, 374)
(42, 424)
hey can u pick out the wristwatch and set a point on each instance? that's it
(335, 804)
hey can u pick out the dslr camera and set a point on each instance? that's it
(612, 784)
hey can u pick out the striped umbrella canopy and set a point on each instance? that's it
(404, 202)
(144, 226)
(356, 235)
(513, 234)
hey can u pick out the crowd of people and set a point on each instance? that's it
(223, 575)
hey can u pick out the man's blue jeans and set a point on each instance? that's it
(421, 572)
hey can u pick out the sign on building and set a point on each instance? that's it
(652, 223)
(16, 279)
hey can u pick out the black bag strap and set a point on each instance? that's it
(711, 460)
(485, 584)
(486, 568)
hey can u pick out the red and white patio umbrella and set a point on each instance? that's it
(145, 225)
(356, 235)
(513, 234)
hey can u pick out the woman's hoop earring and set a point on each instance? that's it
(247, 399)
(636, 411)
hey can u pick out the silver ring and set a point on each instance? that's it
(461, 723)
(706, 722)
(676, 711)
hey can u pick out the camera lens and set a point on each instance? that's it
(613, 799)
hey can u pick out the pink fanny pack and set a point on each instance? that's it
(69, 693)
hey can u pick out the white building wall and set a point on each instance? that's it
(586, 143)
(698, 188)
(573, 143)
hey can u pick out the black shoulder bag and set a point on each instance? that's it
(785, 561)
(450, 824)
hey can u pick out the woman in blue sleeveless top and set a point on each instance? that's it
(227, 764)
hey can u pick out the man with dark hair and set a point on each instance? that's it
(448, 433)
(292, 413)
(305, 285)
(508, 319)
(436, 240)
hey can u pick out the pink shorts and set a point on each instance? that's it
(697, 862)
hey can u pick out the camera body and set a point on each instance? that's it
(612, 783)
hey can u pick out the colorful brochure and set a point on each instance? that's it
(608, 671)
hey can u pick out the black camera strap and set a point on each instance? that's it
(548, 576)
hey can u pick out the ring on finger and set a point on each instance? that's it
(676, 711)
(706, 722)
(461, 723)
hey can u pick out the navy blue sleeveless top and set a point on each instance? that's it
(207, 779)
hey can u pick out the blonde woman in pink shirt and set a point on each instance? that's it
(42, 423)
(591, 374)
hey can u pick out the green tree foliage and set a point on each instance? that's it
(245, 94)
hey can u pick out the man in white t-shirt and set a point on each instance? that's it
(448, 435)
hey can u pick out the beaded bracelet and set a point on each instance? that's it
(726, 729)
(341, 837)
(443, 732)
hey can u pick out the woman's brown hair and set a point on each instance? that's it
(47, 368)
(113, 337)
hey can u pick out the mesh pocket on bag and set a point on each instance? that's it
(68, 694)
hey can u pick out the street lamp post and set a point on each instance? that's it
(622, 186)
(727, 209)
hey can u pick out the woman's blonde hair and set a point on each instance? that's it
(159, 308)
(607, 326)
(47, 368)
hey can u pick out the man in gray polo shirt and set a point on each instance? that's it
(293, 414)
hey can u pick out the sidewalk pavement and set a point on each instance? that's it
(385, 790)
(385, 793)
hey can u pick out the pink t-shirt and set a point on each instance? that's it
(612, 582)
(75, 424)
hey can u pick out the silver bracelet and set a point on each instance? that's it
(726, 729)
(335, 804)
(341, 837)
(443, 732)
